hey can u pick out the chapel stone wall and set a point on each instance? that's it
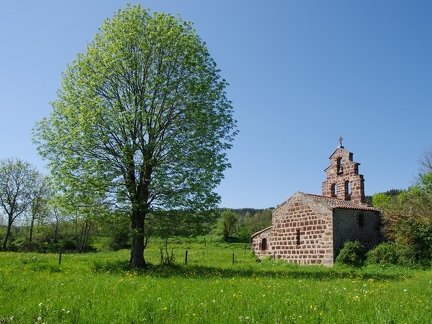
(262, 244)
(352, 225)
(301, 233)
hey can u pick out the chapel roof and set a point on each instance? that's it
(343, 204)
(263, 230)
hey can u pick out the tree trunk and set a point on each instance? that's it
(7, 234)
(6, 239)
(56, 227)
(83, 235)
(137, 249)
(31, 230)
(139, 194)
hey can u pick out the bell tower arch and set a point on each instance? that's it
(343, 179)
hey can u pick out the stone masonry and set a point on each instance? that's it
(343, 178)
(311, 229)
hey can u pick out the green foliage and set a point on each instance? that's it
(120, 239)
(20, 184)
(115, 227)
(141, 123)
(171, 223)
(227, 224)
(249, 221)
(408, 256)
(244, 233)
(408, 221)
(384, 253)
(166, 257)
(352, 254)
(260, 220)
(381, 200)
(392, 254)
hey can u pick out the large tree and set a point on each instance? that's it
(142, 118)
(19, 187)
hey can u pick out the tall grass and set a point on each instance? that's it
(210, 288)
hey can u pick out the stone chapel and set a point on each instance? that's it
(311, 229)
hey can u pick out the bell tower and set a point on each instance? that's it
(343, 180)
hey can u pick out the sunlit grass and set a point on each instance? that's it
(99, 288)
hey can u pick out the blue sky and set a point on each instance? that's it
(301, 74)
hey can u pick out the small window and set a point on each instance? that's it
(264, 244)
(334, 190)
(360, 220)
(347, 190)
(298, 237)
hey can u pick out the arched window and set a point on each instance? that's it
(339, 163)
(347, 190)
(334, 190)
(264, 244)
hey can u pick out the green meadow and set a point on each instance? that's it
(221, 283)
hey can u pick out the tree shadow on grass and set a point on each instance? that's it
(289, 271)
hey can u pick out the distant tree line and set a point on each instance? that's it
(34, 219)
(237, 225)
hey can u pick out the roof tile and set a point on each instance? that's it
(338, 203)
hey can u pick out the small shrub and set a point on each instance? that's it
(403, 255)
(69, 245)
(384, 253)
(408, 256)
(352, 254)
(120, 240)
(166, 258)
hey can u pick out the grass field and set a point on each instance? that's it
(210, 288)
